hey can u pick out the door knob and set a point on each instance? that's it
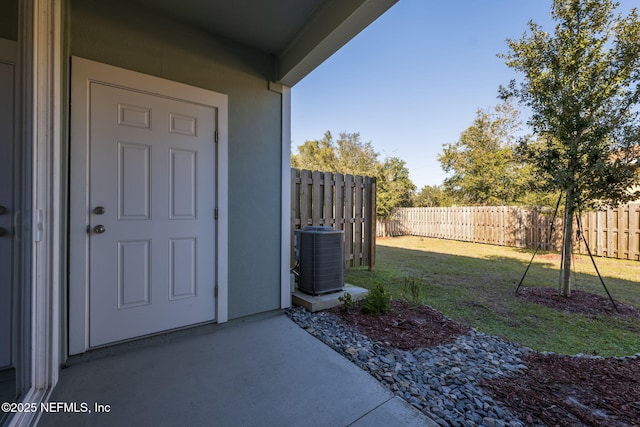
(99, 229)
(3, 231)
(3, 210)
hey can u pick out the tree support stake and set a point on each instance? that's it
(551, 228)
(593, 261)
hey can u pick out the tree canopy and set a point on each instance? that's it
(581, 85)
(394, 187)
(483, 166)
(432, 196)
(350, 155)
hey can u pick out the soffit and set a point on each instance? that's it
(265, 25)
(300, 34)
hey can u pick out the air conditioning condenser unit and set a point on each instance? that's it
(320, 254)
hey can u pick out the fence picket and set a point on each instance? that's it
(613, 233)
(343, 202)
(371, 232)
(305, 198)
(339, 202)
(368, 232)
(294, 215)
(358, 220)
(634, 231)
(327, 201)
(316, 198)
(348, 220)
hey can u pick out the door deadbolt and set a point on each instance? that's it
(99, 229)
(98, 210)
(3, 210)
(3, 231)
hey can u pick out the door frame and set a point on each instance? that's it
(9, 56)
(83, 73)
(40, 268)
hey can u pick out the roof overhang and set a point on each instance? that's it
(300, 34)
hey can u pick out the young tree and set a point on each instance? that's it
(394, 187)
(484, 169)
(581, 84)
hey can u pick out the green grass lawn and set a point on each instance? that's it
(474, 284)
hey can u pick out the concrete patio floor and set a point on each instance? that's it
(260, 371)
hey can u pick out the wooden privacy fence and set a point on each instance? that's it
(613, 233)
(345, 202)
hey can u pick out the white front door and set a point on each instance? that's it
(144, 182)
(152, 204)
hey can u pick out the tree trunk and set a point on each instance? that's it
(567, 247)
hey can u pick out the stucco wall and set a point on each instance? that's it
(117, 34)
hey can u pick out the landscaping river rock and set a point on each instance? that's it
(442, 381)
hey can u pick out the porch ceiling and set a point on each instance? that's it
(301, 34)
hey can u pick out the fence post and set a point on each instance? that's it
(358, 216)
(305, 197)
(339, 201)
(295, 207)
(327, 200)
(634, 231)
(348, 219)
(370, 225)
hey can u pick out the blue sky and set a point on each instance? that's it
(414, 79)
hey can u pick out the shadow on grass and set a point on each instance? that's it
(479, 290)
(493, 272)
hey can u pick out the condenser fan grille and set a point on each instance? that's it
(321, 256)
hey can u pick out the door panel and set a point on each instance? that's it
(152, 239)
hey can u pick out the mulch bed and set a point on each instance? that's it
(569, 391)
(554, 390)
(580, 302)
(407, 326)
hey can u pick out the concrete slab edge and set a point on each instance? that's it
(315, 303)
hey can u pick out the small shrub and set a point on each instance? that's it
(377, 301)
(412, 291)
(347, 302)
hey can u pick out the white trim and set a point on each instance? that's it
(222, 248)
(41, 73)
(47, 119)
(285, 216)
(84, 72)
(331, 26)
